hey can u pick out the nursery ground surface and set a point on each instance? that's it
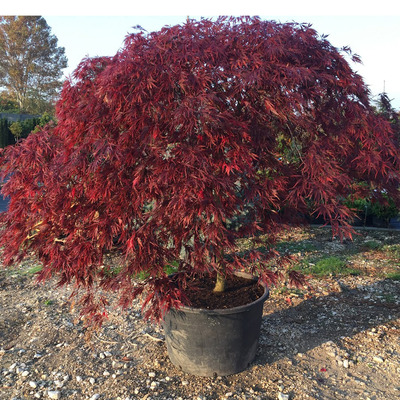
(338, 339)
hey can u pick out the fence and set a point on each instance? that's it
(17, 117)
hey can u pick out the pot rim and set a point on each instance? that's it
(232, 310)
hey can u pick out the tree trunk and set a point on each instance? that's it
(220, 283)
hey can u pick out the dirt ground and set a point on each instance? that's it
(338, 340)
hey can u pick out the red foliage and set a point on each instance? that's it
(184, 141)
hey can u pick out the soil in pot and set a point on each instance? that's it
(239, 291)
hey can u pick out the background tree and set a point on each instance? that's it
(31, 63)
(386, 110)
(7, 103)
(16, 130)
(161, 149)
(22, 129)
(372, 210)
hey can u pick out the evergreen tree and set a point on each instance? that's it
(385, 109)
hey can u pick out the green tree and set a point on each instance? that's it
(16, 130)
(31, 63)
(42, 121)
(7, 103)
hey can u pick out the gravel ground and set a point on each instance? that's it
(341, 340)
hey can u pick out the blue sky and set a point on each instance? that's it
(98, 28)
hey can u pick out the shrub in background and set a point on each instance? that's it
(6, 137)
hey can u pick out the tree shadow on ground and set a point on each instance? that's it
(298, 329)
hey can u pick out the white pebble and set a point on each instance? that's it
(54, 394)
(378, 359)
(117, 364)
(152, 374)
(12, 367)
(79, 379)
(346, 363)
(107, 354)
(185, 383)
(154, 385)
(282, 396)
(106, 373)
(96, 396)
(25, 373)
(33, 384)
(92, 381)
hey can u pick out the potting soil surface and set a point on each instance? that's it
(238, 291)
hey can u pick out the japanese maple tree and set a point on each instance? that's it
(186, 140)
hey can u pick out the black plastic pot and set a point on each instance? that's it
(214, 342)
